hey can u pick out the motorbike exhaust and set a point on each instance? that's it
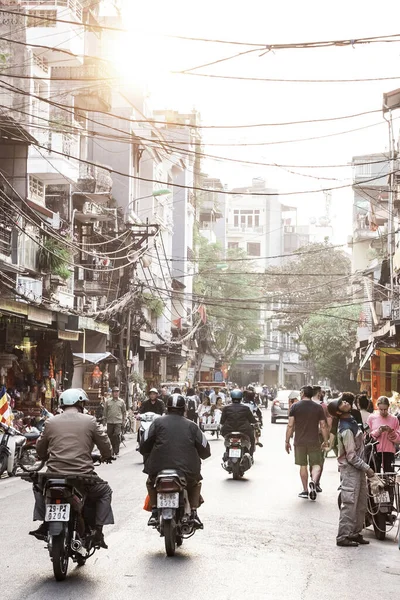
(186, 529)
(76, 545)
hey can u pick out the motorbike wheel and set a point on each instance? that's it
(29, 461)
(236, 471)
(60, 555)
(3, 464)
(379, 524)
(170, 537)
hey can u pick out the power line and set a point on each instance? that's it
(272, 80)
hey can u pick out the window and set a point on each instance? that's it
(236, 221)
(233, 245)
(253, 249)
(246, 218)
(36, 189)
(43, 21)
(256, 220)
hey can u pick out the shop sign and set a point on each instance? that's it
(70, 336)
(92, 325)
(12, 306)
(39, 315)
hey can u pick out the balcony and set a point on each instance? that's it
(86, 96)
(58, 164)
(94, 183)
(42, 24)
(240, 230)
(96, 283)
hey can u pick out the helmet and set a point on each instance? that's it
(72, 396)
(153, 390)
(236, 395)
(176, 401)
(251, 388)
(333, 407)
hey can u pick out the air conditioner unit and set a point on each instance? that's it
(386, 309)
(30, 287)
(289, 229)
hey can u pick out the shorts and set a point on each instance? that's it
(310, 455)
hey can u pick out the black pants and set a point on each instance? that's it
(386, 459)
(114, 433)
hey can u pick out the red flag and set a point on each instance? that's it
(178, 323)
(203, 313)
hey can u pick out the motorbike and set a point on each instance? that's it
(18, 450)
(71, 519)
(237, 458)
(146, 420)
(174, 514)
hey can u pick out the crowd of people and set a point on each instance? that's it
(343, 423)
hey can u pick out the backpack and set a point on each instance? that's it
(191, 405)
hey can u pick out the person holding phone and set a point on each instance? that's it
(385, 429)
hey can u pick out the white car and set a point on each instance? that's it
(281, 405)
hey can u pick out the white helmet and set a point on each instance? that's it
(153, 390)
(73, 396)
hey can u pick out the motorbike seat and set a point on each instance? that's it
(32, 435)
(172, 473)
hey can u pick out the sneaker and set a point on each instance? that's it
(41, 532)
(313, 490)
(347, 543)
(153, 521)
(318, 488)
(304, 495)
(98, 539)
(197, 524)
(260, 444)
(359, 539)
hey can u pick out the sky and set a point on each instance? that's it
(148, 55)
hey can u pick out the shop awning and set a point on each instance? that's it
(96, 357)
(368, 354)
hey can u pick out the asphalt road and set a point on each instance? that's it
(259, 542)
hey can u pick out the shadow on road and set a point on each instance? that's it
(76, 585)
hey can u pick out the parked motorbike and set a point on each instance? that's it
(174, 514)
(237, 458)
(18, 450)
(71, 519)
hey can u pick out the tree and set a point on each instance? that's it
(329, 337)
(232, 327)
(314, 279)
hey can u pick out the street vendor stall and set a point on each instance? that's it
(94, 373)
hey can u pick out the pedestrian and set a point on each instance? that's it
(318, 398)
(192, 404)
(363, 404)
(115, 415)
(164, 394)
(353, 469)
(386, 429)
(307, 420)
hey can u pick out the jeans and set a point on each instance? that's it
(98, 493)
(114, 433)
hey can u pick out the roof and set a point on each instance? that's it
(12, 131)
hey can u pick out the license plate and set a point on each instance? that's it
(57, 512)
(235, 452)
(382, 497)
(170, 500)
(212, 426)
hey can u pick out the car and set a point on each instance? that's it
(282, 403)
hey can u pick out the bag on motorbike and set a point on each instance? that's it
(147, 505)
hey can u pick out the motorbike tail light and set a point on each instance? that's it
(168, 485)
(235, 440)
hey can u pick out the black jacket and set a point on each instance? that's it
(158, 407)
(174, 442)
(236, 417)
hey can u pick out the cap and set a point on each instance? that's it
(153, 390)
(115, 388)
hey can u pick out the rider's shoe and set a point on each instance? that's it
(359, 539)
(41, 532)
(347, 543)
(260, 444)
(98, 539)
(194, 517)
(153, 521)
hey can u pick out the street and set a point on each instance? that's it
(259, 540)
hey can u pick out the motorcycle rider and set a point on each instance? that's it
(175, 443)
(66, 443)
(238, 417)
(153, 404)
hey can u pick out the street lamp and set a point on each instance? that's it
(154, 194)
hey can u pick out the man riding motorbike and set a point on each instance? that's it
(153, 404)
(66, 443)
(175, 443)
(238, 417)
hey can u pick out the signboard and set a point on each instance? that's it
(39, 315)
(71, 336)
(92, 325)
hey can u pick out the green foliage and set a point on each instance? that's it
(54, 258)
(232, 328)
(154, 304)
(329, 337)
(301, 291)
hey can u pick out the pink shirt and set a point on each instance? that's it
(385, 444)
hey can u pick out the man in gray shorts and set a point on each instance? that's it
(307, 420)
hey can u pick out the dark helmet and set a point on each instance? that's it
(333, 407)
(236, 395)
(176, 401)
